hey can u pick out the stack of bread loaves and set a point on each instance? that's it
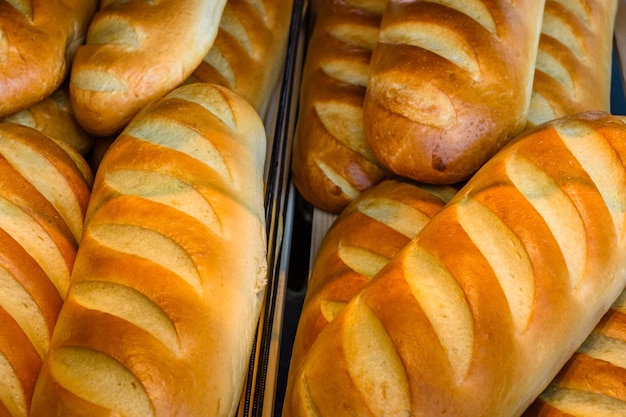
(140, 296)
(480, 311)
(431, 90)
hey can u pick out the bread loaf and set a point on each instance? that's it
(38, 40)
(592, 382)
(332, 163)
(53, 117)
(249, 50)
(367, 233)
(450, 84)
(573, 67)
(479, 312)
(43, 200)
(170, 275)
(137, 51)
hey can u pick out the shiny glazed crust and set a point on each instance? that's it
(137, 51)
(43, 201)
(332, 161)
(591, 383)
(573, 68)
(367, 233)
(450, 84)
(478, 313)
(38, 39)
(170, 275)
(249, 50)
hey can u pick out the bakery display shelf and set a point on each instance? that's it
(306, 226)
(258, 392)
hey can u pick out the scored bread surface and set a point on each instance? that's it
(169, 278)
(573, 67)
(38, 40)
(53, 117)
(136, 51)
(332, 161)
(591, 384)
(43, 201)
(367, 233)
(249, 50)
(479, 312)
(450, 84)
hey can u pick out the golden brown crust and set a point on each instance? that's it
(43, 201)
(367, 233)
(171, 266)
(37, 45)
(135, 52)
(332, 161)
(480, 311)
(592, 382)
(249, 50)
(573, 69)
(53, 117)
(450, 84)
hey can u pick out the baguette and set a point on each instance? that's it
(367, 233)
(170, 275)
(137, 51)
(38, 40)
(332, 163)
(450, 84)
(573, 67)
(479, 312)
(43, 200)
(591, 384)
(249, 50)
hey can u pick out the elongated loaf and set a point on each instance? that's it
(573, 67)
(170, 275)
(43, 201)
(38, 39)
(591, 384)
(249, 50)
(367, 233)
(450, 84)
(137, 51)
(478, 313)
(332, 163)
